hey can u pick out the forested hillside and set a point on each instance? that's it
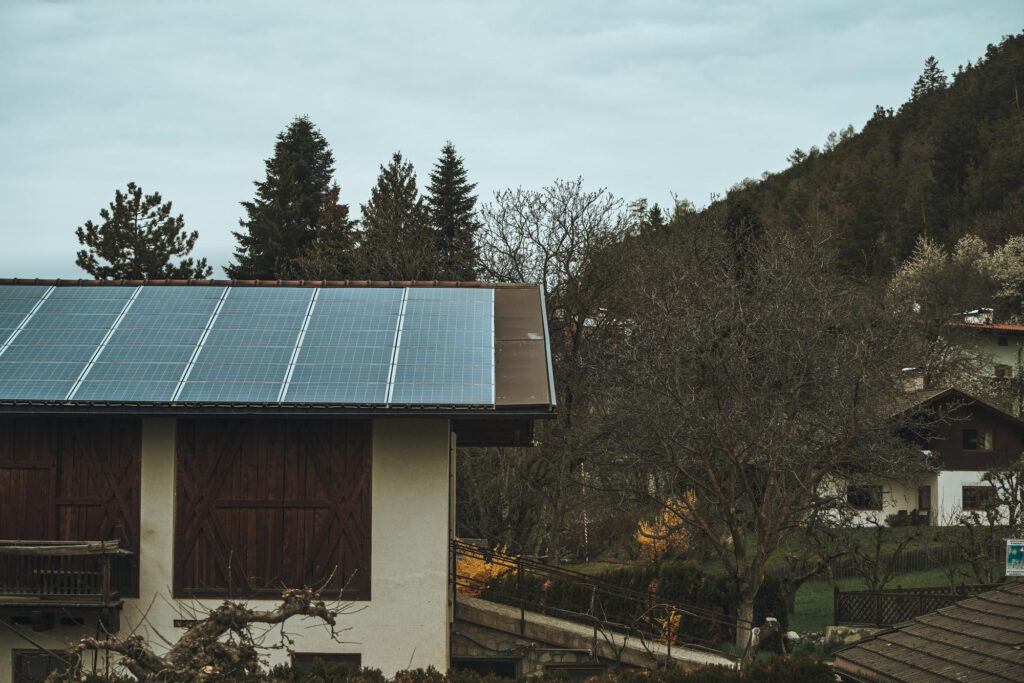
(949, 162)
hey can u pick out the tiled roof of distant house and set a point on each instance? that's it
(977, 639)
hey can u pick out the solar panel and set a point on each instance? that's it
(346, 393)
(154, 337)
(154, 353)
(79, 306)
(436, 373)
(29, 390)
(37, 337)
(346, 355)
(150, 372)
(362, 373)
(66, 353)
(33, 292)
(442, 394)
(380, 295)
(40, 371)
(446, 339)
(246, 354)
(70, 322)
(173, 321)
(238, 372)
(132, 390)
(180, 294)
(16, 306)
(413, 346)
(385, 323)
(9, 321)
(259, 322)
(349, 338)
(78, 293)
(253, 338)
(230, 392)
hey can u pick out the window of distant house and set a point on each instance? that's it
(977, 439)
(978, 497)
(1002, 340)
(864, 497)
(37, 665)
(1003, 371)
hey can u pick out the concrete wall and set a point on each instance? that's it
(405, 623)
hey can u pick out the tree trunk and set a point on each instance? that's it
(745, 620)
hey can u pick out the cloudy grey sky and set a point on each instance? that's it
(645, 97)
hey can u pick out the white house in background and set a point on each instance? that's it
(1003, 343)
(973, 438)
(237, 438)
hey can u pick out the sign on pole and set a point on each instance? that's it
(1014, 557)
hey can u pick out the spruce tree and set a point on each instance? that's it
(452, 204)
(931, 79)
(137, 240)
(283, 217)
(330, 254)
(397, 243)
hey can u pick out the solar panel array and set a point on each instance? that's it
(285, 345)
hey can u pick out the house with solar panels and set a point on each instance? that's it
(168, 445)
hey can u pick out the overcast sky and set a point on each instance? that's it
(646, 98)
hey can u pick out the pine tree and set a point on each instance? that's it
(397, 243)
(931, 79)
(137, 240)
(453, 217)
(283, 217)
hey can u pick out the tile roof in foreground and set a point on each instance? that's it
(977, 639)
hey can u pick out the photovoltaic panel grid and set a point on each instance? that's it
(283, 345)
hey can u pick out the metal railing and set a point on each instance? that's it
(536, 587)
(62, 571)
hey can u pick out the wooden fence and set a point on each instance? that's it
(896, 605)
(917, 560)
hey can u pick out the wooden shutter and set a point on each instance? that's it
(72, 479)
(267, 504)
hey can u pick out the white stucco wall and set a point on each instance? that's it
(896, 496)
(405, 624)
(950, 489)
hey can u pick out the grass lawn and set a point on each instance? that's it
(813, 607)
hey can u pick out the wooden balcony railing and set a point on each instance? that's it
(62, 572)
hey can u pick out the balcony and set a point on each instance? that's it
(42, 580)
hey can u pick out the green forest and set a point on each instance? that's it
(949, 162)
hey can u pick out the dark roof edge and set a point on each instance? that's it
(968, 401)
(264, 283)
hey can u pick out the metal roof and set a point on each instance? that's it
(273, 346)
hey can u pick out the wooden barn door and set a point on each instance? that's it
(267, 504)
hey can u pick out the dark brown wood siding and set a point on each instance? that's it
(71, 479)
(265, 504)
(1007, 441)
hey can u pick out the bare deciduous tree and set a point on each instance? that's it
(748, 380)
(561, 237)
